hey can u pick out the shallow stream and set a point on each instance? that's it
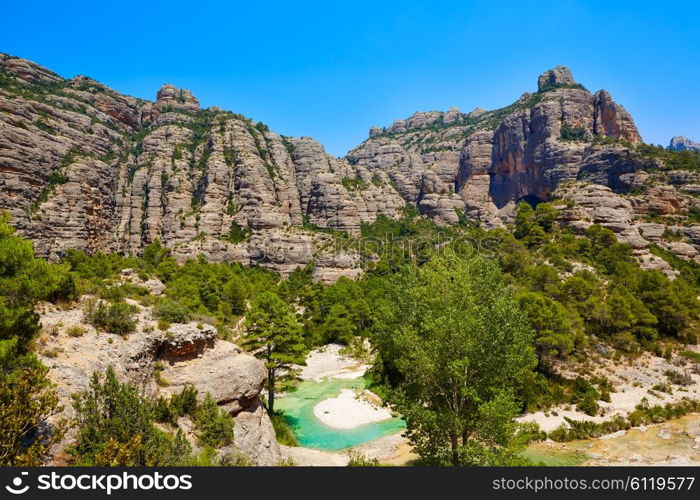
(298, 407)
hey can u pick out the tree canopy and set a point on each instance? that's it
(455, 345)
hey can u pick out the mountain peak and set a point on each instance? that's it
(681, 143)
(561, 75)
(170, 95)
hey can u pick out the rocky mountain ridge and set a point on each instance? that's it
(82, 166)
(682, 143)
(483, 162)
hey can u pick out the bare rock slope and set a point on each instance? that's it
(162, 363)
(83, 166)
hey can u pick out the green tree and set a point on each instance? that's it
(526, 226)
(555, 327)
(155, 253)
(214, 426)
(27, 397)
(274, 334)
(24, 281)
(172, 311)
(115, 427)
(234, 294)
(338, 325)
(115, 318)
(546, 216)
(455, 345)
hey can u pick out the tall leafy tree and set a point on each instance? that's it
(556, 328)
(274, 335)
(456, 346)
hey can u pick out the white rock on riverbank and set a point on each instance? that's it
(348, 410)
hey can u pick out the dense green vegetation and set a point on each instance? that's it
(669, 159)
(27, 398)
(479, 315)
(116, 428)
(643, 414)
(354, 184)
(553, 86)
(116, 425)
(454, 345)
(570, 133)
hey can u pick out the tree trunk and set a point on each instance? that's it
(270, 390)
(454, 444)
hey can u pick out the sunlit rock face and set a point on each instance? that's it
(82, 166)
(485, 161)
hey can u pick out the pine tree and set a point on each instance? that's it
(274, 335)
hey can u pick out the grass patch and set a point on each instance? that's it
(691, 355)
(283, 431)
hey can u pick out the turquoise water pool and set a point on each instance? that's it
(298, 408)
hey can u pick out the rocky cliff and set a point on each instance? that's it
(682, 143)
(160, 363)
(83, 166)
(483, 162)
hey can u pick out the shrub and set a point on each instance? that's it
(180, 404)
(691, 355)
(75, 331)
(570, 133)
(588, 405)
(214, 426)
(116, 318)
(236, 233)
(642, 415)
(172, 311)
(120, 292)
(358, 460)
(678, 378)
(184, 403)
(158, 374)
(115, 428)
(354, 184)
(27, 400)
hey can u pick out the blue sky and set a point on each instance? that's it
(330, 70)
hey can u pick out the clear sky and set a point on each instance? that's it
(331, 69)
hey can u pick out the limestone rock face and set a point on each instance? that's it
(561, 75)
(234, 379)
(82, 166)
(171, 96)
(162, 364)
(597, 204)
(483, 162)
(588, 204)
(186, 341)
(682, 143)
(255, 437)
